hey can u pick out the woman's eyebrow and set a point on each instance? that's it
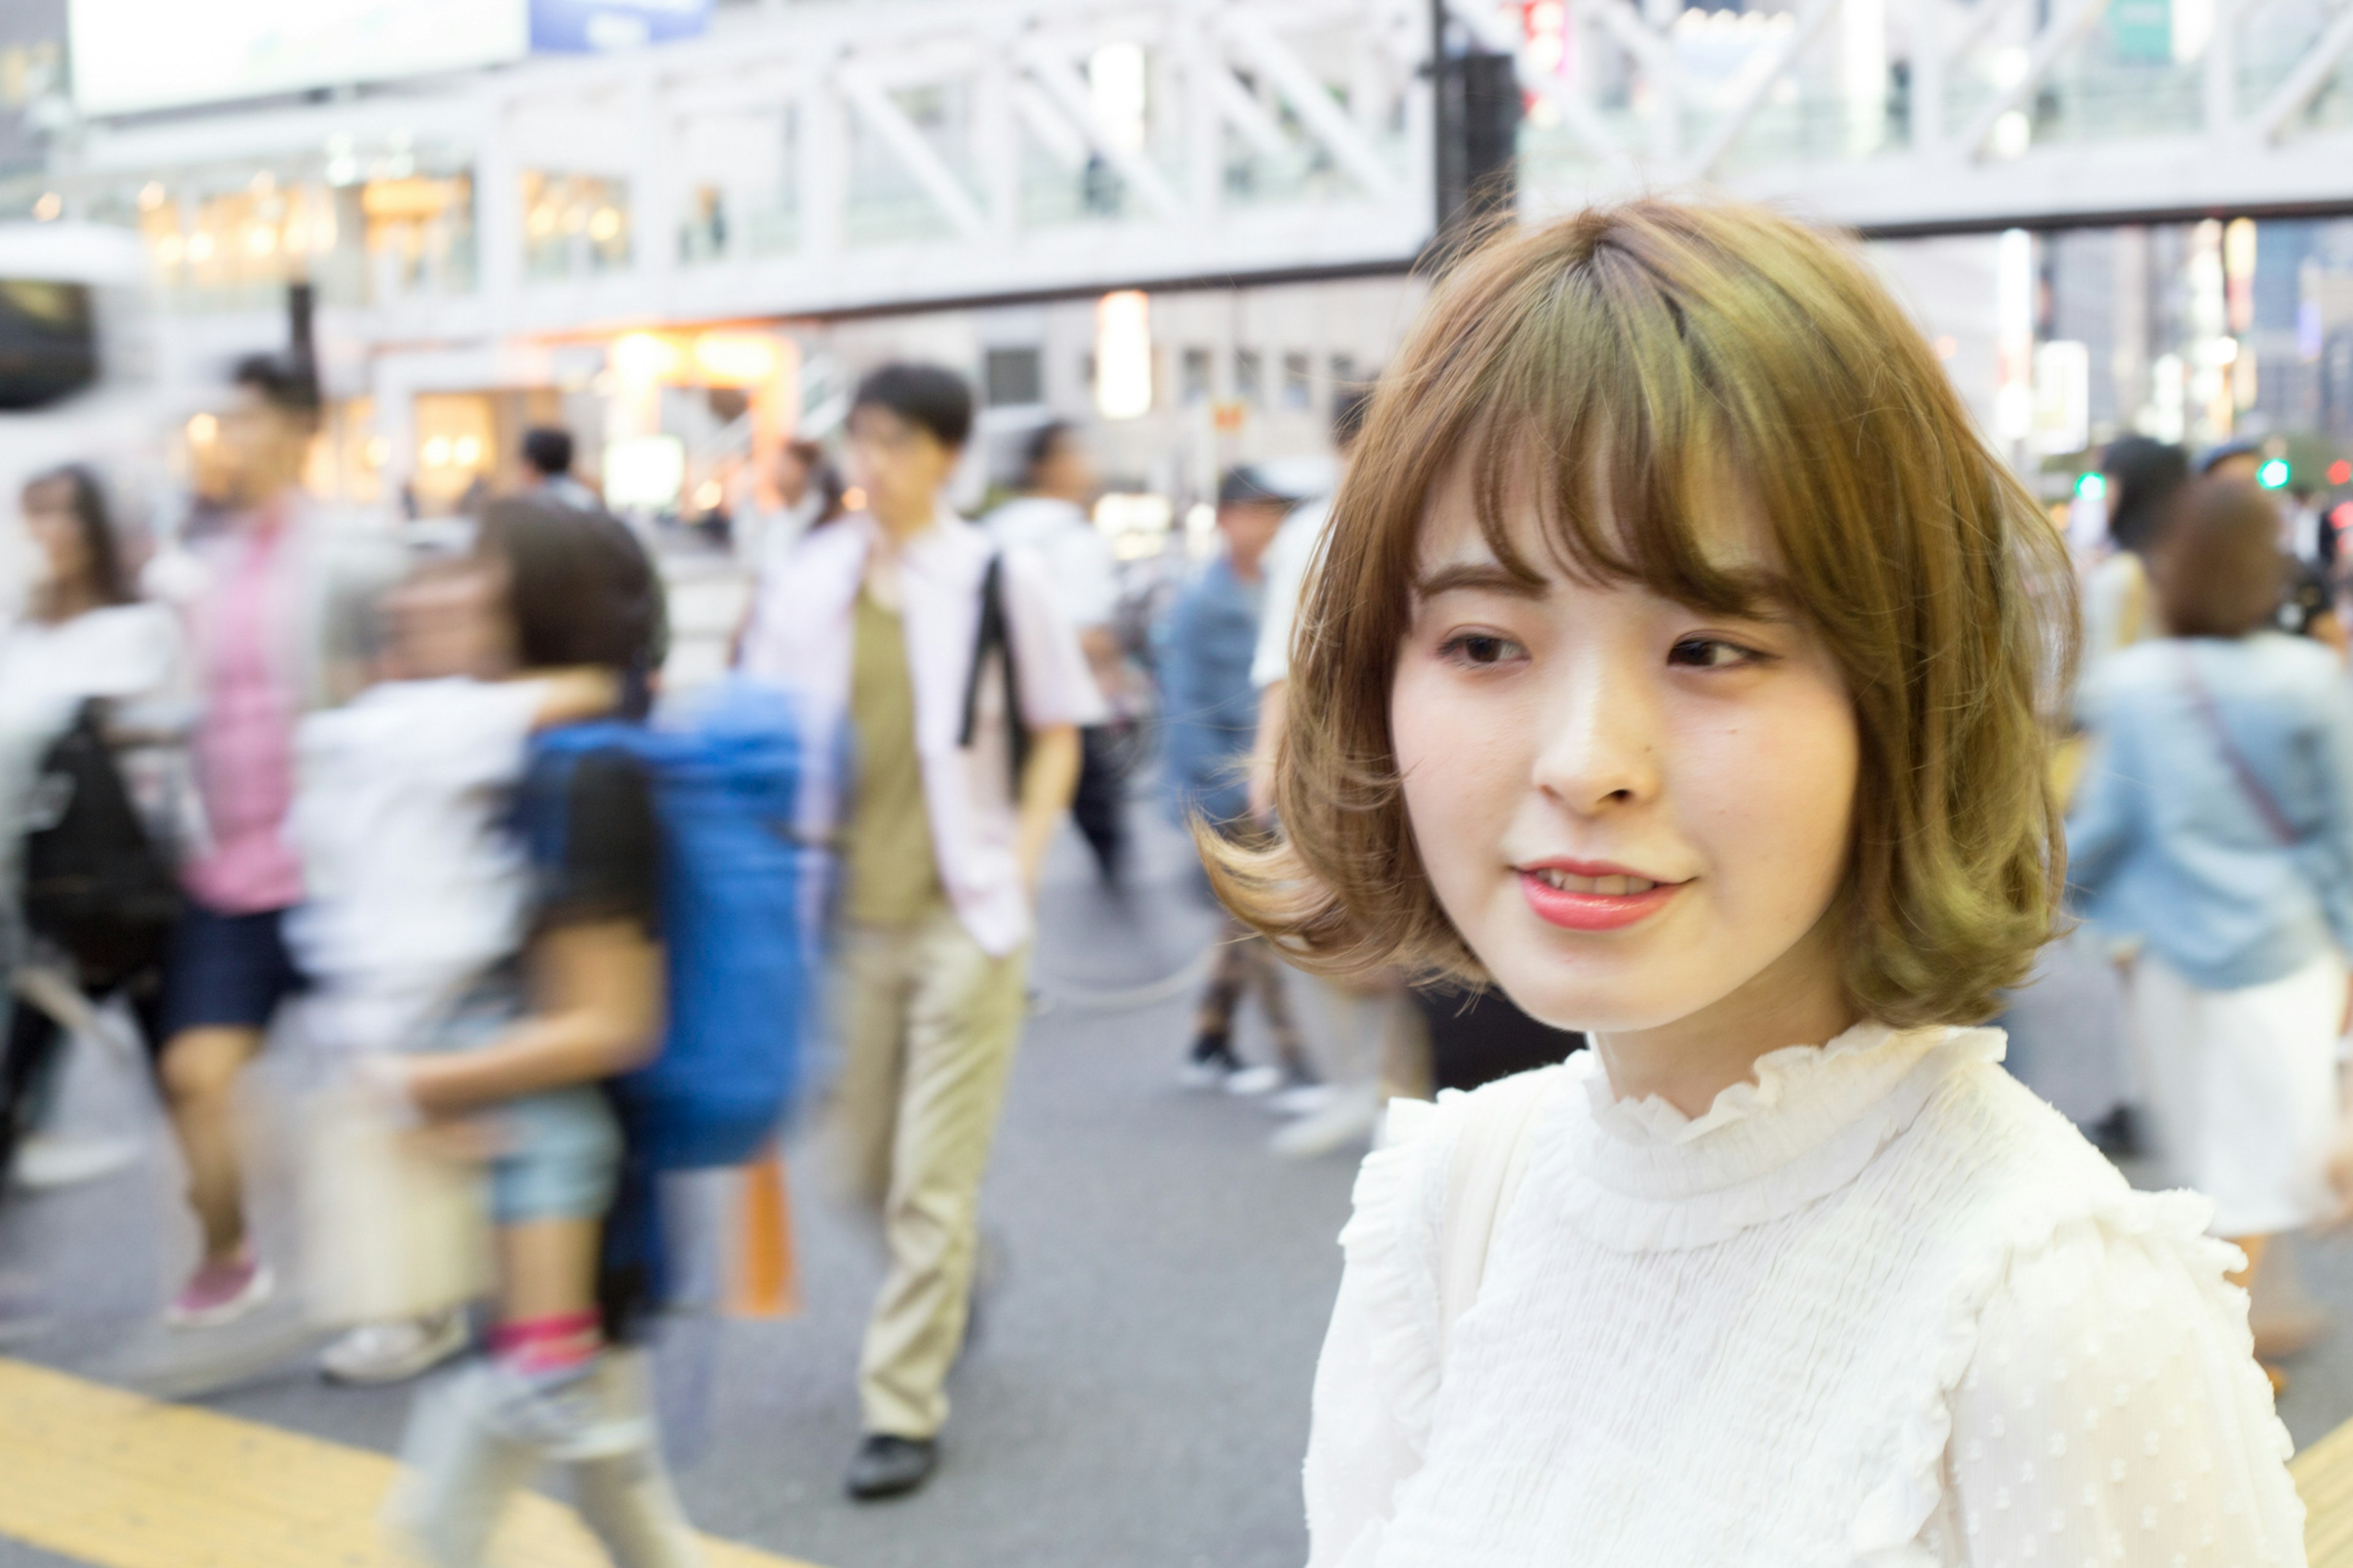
(1482, 576)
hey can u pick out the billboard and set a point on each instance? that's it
(134, 54)
(580, 27)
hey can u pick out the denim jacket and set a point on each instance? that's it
(2168, 842)
(1209, 710)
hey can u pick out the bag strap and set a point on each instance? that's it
(995, 635)
(2249, 784)
(1490, 1157)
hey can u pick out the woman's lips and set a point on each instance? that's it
(1604, 903)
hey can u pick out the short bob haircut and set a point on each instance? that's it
(2219, 571)
(1641, 352)
(580, 588)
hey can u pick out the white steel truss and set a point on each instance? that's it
(1927, 115)
(823, 159)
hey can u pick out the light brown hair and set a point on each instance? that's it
(2219, 570)
(1640, 353)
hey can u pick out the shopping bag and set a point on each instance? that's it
(395, 1226)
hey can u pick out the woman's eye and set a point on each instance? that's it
(1710, 653)
(1477, 647)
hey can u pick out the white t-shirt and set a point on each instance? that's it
(1287, 558)
(1078, 559)
(416, 887)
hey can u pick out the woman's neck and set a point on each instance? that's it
(1797, 1000)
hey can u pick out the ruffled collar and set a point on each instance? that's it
(1637, 1175)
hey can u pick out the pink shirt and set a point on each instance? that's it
(245, 743)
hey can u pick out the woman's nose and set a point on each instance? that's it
(1601, 745)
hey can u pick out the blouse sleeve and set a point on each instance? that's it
(1378, 1377)
(2114, 1413)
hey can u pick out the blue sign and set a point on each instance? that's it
(595, 27)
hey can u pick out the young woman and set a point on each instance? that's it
(84, 637)
(1679, 668)
(2215, 825)
(526, 1055)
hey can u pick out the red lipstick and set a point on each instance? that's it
(1581, 905)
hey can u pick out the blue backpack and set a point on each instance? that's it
(726, 771)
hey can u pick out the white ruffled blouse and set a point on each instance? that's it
(1880, 1307)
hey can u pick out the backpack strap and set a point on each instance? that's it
(995, 636)
(1489, 1159)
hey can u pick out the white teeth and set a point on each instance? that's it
(1610, 887)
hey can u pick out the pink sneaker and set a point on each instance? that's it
(220, 1293)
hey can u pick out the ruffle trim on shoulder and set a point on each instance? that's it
(1391, 1245)
(1888, 1528)
(1601, 1196)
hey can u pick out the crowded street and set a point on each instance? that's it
(1161, 1276)
(1175, 784)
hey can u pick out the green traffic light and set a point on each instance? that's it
(2092, 486)
(2273, 475)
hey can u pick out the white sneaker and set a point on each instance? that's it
(221, 1293)
(1205, 1072)
(1302, 1098)
(1350, 1118)
(394, 1352)
(47, 1161)
(1249, 1082)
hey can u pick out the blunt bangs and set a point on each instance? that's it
(1653, 380)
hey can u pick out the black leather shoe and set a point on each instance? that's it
(885, 1466)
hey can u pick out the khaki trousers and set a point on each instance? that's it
(929, 1022)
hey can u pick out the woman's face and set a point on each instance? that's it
(1631, 810)
(57, 532)
(452, 618)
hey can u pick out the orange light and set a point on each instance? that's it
(854, 500)
(2340, 472)
(735, 359)
(645, 356)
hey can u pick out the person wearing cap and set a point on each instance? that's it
(2236, 461)
(1209, 718)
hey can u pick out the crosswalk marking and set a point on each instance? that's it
(117, 1481)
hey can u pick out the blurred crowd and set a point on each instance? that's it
(415, 800)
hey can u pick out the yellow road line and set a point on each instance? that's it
(120, 1481)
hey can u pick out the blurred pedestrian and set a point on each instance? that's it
(2143, 478)
(1209, 718)
(87, 667)
(2215, 825)
(551, 621)
(2237, 461)
(802, 489)
(1049, 519)
(281, 625)
(1376, 1030)
(1679, 667)
(963, 689)
(548, 452)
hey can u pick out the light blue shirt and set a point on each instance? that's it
(2166, 841)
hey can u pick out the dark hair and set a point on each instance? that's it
(548, 449)
(580, 586)
(809, 455)
(1040, 448)
(832, 487)
(287, 382)
(2146, 474)
(930, 395)
(1348, 407)
(2219, 571)
(86, 499)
